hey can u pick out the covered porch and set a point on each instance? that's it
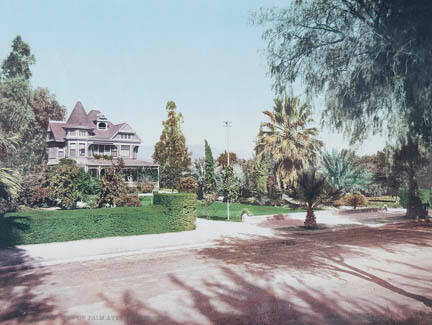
(134, 171)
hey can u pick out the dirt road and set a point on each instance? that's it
(365, 275)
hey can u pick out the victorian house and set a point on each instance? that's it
(94, 143)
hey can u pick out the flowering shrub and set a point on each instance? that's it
(188, 185)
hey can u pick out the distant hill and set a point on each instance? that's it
(146, 151)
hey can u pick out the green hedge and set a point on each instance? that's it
(42, 226)
(179, 208)
(425, 196)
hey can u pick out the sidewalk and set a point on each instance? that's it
(207, 234)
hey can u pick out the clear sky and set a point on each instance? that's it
(128, 58)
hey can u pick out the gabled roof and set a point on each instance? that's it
(78, 118)
(57, 128)
(108, 133)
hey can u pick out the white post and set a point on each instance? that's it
(228, 124)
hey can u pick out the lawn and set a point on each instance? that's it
(218, 210)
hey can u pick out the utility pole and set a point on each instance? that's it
(228, 124)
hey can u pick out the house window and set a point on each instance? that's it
(72, 133)
(101, 149)
(108, 150)
(125, 151)
(72, 149)
(83, 133)
(60, 153)
(102, 126)
(82, 149)
(114, 151)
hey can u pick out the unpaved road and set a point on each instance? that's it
(357, 276)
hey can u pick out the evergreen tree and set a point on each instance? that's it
(170, 151)
(210, 180)
(261, 175)
(63, 187)
(18, 63)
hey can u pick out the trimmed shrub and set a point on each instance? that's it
(188, 185)
(355, 200)
(146, 187)
(130, 200)
(179, 208)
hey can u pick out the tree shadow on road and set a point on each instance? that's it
(240, 301)
(20, 300)
(320, 253)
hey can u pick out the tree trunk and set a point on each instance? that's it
(414, 207)
(310, 221)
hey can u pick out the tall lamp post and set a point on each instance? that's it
(228, 124)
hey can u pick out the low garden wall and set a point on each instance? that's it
(178, 208)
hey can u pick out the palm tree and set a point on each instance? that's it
(312, 189)
(287, 139)
(342, 171)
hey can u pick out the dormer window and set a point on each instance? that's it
(102, 126)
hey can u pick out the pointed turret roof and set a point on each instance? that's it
(78, 118)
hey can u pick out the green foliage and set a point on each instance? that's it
(231, 185)
(260, 172)
(18, 63)
(63, 187)
(112, 188)
(179, 208)
(86, 184)
(65, 225)
(425, 196)
(288, 139)
(198, 172)
(171, 152)
(342, 171)
(355, 200)
(209, 180)
(246, 212)
(370, 59)
(188, 185)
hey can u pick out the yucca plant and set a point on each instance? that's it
(312, 189)
(342, 171)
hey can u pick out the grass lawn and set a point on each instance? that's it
(218, 210)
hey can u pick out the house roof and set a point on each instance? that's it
(78, 118)
(81, 120)
(92, 115)
(58, 130)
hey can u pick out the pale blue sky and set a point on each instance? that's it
(128, 58)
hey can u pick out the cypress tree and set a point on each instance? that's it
(210, 180)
